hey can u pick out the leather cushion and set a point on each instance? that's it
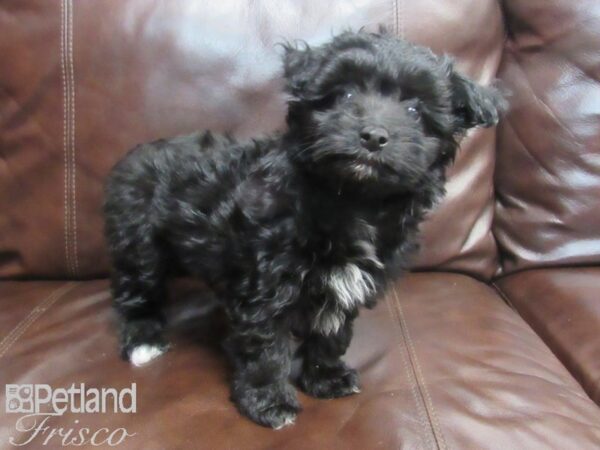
(548, 171)
(444, 364)
(562, 306)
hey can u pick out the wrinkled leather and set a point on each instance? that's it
(445, 363)
(562, 307)
(548, 170)
(131, 71)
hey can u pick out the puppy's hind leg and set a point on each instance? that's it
(138, 286)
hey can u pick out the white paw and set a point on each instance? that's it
(144, 354)
(287, 422)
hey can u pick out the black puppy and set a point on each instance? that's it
(297, 231)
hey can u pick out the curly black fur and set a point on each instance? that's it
(296, 231)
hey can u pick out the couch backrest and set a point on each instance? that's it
(82, 82)
(548, 163)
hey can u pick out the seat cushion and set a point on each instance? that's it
(445, 363)
(563, 307)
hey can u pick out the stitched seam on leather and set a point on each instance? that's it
(66, 217)
(33, 315)
(401, 19)
(500, 254)
(67, 70)
(72, 143)
(504, 297)
(418, 373)
(395, 15)
(427, 432)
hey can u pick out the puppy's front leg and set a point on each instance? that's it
(260, 355)
(324, 374)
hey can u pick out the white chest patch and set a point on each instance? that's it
(328, 322)
(350, 286)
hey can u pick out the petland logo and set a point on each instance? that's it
(41, 402)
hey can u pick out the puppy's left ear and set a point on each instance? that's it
(300, 65)
(476, 105)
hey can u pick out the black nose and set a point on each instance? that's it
(374, 138)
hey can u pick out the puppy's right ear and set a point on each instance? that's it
(299, 67)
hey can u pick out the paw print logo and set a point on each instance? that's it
(19, 398)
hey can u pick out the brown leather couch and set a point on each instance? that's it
(493, 342)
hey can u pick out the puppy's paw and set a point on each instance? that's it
(142, 341)
(274, 405)
(278, 416)
(143, 354)
(329, 382)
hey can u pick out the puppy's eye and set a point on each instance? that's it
(347, 94)
(414, 111)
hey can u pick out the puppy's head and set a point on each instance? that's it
(374, 111)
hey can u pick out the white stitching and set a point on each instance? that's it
(395, 23)
(429, 408)
(409, 375)
(70, 188)
(33, 315)
(401, 19)
(72, 146)
(66, 215)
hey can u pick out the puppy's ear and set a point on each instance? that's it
(300, 65)
(476, 105)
